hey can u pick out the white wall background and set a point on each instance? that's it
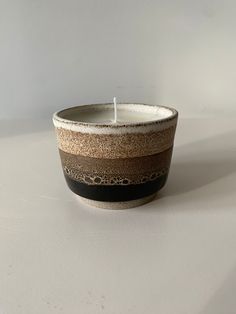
(57, 53)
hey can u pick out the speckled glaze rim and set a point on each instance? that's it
(128, 127)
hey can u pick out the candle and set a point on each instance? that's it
(116, 155)
(115, 110)
(122, 113)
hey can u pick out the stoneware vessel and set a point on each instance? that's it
(115, 165)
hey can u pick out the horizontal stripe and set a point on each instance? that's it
(116, 193)
(115, 146)
(115, 171)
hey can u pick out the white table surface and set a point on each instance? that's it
(175, 255)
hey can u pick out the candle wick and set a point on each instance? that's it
(115, 109)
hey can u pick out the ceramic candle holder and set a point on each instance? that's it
(115, 165)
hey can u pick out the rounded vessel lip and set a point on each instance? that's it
(58, 118)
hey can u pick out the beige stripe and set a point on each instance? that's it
(115, 145)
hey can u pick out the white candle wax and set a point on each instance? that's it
(126, 113)
(115, 110)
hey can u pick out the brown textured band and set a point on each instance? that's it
(116, 171)
(111, 146)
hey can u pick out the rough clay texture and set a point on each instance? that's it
(117, 205)
(115, 145)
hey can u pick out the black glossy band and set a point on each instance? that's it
(116, 193)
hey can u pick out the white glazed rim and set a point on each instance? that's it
(130, 127)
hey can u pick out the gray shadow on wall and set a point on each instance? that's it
(200, 163)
